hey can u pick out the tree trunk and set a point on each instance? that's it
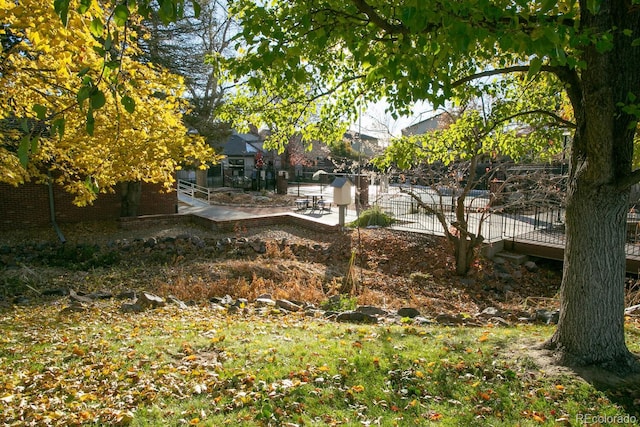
(201, 178)
(130, 198)
(463, 241)
(464, 253)
(466, 242)
(591, 325)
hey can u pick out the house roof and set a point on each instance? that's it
(424, 126)
(353, 135)
(242, 145)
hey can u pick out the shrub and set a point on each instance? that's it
(340, 303)
(373, 217)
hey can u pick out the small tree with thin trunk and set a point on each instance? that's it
(463, 140)
(447, 201)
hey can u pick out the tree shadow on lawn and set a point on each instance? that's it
(621, 390)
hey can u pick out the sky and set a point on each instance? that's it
(374, 121)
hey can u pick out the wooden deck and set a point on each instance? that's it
(542, 244)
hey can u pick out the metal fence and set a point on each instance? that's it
(541, 225)
(411, 215)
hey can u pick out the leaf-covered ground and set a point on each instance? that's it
(199, 366)
(390, 269)
(261, 366)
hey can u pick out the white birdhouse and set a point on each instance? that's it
(342, 191)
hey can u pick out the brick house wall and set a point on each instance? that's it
(28, 205)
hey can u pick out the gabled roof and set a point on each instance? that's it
(242, 145)
(424, 126)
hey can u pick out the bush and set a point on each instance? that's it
(373, 217)
(340, 303)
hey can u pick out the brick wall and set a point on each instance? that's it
(28, 205)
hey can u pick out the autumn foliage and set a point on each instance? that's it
(77, 103)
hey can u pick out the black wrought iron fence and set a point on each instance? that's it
(412, 215)
(538, 224)
(543, 225)
(633, 233)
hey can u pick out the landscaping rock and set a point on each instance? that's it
(489, 313)
(371, 310)
(177, 302)
(128, 307)
(356, 316)
(422, 321)
(74, 296)
(147, 300)
(21, 300)
(241, 302)
(227, 300)
(127, 295)
(58, 292)
(449, 320)
(633, 310)
(499, 321)
(547, 316)
(258, 246)
(409, 312)
(197, 242)
(217, 307)
(313, 312)
(223, 244)
(265, 302)
(489, 285)
(287, 305)
(150, 242)
(102, 294)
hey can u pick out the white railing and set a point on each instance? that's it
(194, 191)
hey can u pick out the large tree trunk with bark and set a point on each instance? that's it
(591, 324)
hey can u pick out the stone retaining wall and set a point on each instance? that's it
(231, 225)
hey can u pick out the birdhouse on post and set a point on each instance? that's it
(342, 196)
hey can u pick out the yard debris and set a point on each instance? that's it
(287, 268)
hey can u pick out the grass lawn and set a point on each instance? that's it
(202, 367)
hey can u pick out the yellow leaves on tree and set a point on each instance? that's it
(125, 126)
